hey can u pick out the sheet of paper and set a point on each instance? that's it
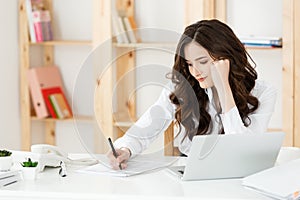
(139, 164)
(281, 182)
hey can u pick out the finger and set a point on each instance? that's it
(115, 166)
(110, 156)
(114, 163)
(118, 166)
(221, 62)
(123, 156)
(124, 165)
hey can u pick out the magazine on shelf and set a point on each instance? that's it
(39, 21)
(261, 41)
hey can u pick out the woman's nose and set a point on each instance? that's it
(196, 70)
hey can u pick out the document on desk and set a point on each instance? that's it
(280, 182)
(138, 165)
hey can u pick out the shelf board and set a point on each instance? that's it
(123, 124)
(165, 44)
(145, 44)
(262, 48)
(274, 130)
(63, 43)
(78, 118)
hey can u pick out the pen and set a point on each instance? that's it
(114, 151)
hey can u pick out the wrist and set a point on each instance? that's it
(226, 98)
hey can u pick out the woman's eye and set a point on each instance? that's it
(203, 62)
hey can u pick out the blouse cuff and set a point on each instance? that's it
(126, 143)
(232, 122)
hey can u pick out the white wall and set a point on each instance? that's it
(9, 76)
(72, 20)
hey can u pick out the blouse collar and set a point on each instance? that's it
(209, 93)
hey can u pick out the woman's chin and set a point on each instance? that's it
(205, 85)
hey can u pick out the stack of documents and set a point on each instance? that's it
(280, 182)
(9, 177)
(137, 165)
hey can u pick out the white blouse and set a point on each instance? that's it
(159, 116)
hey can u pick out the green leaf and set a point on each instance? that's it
(29, 163)
(4, 153)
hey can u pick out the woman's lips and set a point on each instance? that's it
(201, 79)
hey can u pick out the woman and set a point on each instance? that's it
(226, 96)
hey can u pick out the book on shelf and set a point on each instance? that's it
(42, 25)
(257, 41)
(37, 24)
(260, 46)
(129, 30)
(124, 26)
(116, 29)
(39, 21)
(30, 20)
(122, 30)
(46, 25)
(133, 25)
(40, 78)
(60, 105)
(9, 177)
(56, 103)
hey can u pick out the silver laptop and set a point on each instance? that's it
(230, 156)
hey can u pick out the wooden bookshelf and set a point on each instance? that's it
(296, 40)
(48, 58)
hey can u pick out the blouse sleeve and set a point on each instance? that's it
(150, 125)
(259, 119)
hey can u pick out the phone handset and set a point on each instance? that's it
(49, 155)
(48, 149)
(52, 156)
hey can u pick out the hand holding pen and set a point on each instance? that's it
(118, 157)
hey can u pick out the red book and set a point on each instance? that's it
(60, 105)
(50, 91)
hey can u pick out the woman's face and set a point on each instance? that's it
(199, 62)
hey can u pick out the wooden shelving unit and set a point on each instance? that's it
(48, 58)
(291, 72)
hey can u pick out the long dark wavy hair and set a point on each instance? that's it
(221, 43)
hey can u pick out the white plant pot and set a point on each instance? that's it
(5, 163)
(29, 173)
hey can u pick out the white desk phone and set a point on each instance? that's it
(52, 156)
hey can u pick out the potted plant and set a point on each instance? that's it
(29, 169)
(5, 160)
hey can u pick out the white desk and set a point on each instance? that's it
(156, 185)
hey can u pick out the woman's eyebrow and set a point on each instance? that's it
(199, 58)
